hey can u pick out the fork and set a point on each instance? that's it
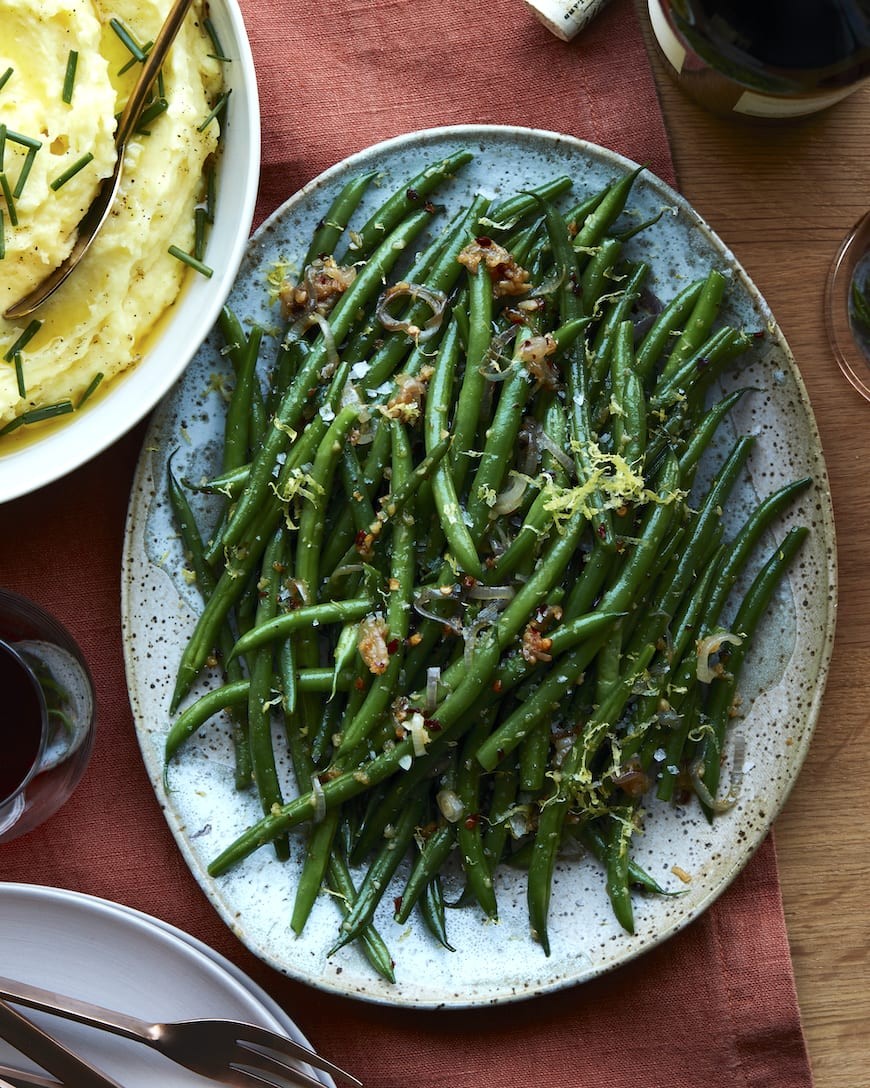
(228, 1051)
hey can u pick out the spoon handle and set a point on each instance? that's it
(150, 67)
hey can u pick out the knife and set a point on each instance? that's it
(19, 1078)
(48, 1053)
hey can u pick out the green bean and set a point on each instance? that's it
(699, 323)
(342, 533)
(506, 215)
(229, 695)
(430, 859)
(617, 862)
(538, 521)
(544, 852)
(469, 832)
(596, 842)
(334, 223)
(314, 614)
(534, 752)
(403, 202)
(431, 906)
(617, 312)
(746, 620)
(596, 273)
(315, 865)
(437, 404)
(666, 323)
(379, 875)
(505, 786)
(701, 365)
(477, 344)
(606, 212)
(384, 686)
(260, 695)
(356, 490)
(344, 892)
(238, 439)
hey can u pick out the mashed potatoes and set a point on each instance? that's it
(55, 154)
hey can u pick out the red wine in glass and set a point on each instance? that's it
(48, 717)
(23, 731)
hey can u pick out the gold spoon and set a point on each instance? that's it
(98, 212)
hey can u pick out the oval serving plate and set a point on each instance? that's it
(782, 689)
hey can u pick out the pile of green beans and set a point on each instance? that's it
(463, 559)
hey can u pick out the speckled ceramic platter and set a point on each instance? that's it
(493, 963)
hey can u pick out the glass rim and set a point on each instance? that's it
(9, 648)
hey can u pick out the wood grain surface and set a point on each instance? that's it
(782, 196)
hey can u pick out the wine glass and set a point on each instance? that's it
(48, 718)
(847, 306)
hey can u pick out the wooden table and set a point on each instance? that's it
(782, 197)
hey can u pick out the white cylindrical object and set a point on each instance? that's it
(566, 18)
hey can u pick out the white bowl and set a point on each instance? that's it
(75, 439)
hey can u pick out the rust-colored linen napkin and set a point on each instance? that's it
(715, 1005)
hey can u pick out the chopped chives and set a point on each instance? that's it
(199, 224)
(48, 411)
(211, 30)
(160, 85)
(70, 76)
(127, 39)
(2, 235)
(91, 389)
(12, 425)
(24, 339)
(19, 375)
(211, 190)
(189, 259)
(25, 172)
(145, 49)
(25, 141)
(38, 415)
(4, 79)
(10, 201)
(151, 112)
(71, 171)
(2, 144)
(218, 108)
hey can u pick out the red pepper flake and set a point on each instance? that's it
(397, 904)
(432, 725)
(496, 686)
(483, 241)
(412, 194)
(361, 538)
(359, 683)
(472, 821)
(392, 646)
(602, 531)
